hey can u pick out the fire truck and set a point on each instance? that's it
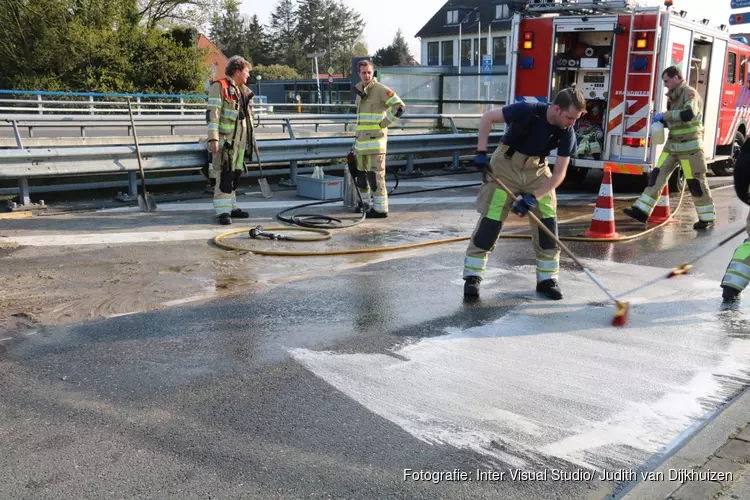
(614, 53)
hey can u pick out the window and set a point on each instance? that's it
(452, 17)
(465, 52)
(731, 67)
(502, 11)
(479, 53)
(742, 70)
(433, 54)
(499, 50)
(447, 53)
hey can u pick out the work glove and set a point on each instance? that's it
(481, 161)
(658, 117)
(523, 204)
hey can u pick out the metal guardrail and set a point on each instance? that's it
(31, 122)
(24, 164)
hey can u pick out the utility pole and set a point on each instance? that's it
(314, 56)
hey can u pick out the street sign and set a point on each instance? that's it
(487, 63)
(741, 18)
(330, 79)
(739, 4)
(330, 70)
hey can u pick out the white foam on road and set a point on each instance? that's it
(108, 238)
(555, 380)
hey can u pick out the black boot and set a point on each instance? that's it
(637, 214)
(372, 214)
(730, 295)
(239, 214)
(225, 219)
(471, 286)
(703, 224)
(550, 289)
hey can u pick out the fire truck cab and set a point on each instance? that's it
(614, 53)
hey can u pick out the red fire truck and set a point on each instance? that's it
(614, 53)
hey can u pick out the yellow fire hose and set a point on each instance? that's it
(326, 235)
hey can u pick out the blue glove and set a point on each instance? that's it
(481, 161)
(524, 204)
(658, 117)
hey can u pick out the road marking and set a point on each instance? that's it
(554, 381)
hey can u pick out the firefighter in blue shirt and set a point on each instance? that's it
(533, 131)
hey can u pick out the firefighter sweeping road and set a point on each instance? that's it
(209, 373)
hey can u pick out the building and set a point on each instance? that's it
(216, 60)
(463, 30)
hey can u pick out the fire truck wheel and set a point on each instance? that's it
(722, 168)
(676, 180)
(576, 175)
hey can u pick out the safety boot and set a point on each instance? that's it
(239, 214)
(225, 219)
(550, 289)
(471, 286)
(730, 295)
(372, 214)
(701, 224)
(637, 214)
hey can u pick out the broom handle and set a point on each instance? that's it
(556, 239)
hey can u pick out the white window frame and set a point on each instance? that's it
(451, 17)
(502, 11)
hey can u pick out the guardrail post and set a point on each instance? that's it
(410, 163)
(40, 105)
(182, 106)
(91, 105)
(23, 191)
(132, 183)
(138, 105)
(17, 134)
(456, 155)
(83, 131)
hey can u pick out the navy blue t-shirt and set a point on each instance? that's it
(535, 143)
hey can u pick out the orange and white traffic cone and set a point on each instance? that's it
(661, 211)
(603, 221)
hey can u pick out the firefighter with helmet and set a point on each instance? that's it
(684, 148)
(520, 162)
(230, 130)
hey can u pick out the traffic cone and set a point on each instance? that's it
(661, 211)
(603, 221)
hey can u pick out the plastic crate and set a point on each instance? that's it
(328, 188)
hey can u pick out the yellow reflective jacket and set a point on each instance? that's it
(684, 119)
(377, 107)
(222, 108)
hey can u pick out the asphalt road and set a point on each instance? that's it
(351, 384)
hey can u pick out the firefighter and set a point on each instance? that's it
(230, 130)
(684, 117)
(377, 107)
(533, 131)
(737, 275)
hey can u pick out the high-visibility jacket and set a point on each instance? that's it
(377, 107)
(223, 107)
(684, 119)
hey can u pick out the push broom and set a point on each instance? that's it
(621, 314)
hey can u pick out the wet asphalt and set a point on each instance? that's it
(327, 387)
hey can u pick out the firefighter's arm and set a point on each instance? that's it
(485, 125)
(396, 107)
(213, 111)
(558, 176)
(684, 113)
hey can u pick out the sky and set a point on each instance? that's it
(384, 17)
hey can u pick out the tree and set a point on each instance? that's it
(97, 45)
(167, 12)
(229, 31)
(274, 72)
(360, 50)
(395, 54)
(257, 43)
(286, 45)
